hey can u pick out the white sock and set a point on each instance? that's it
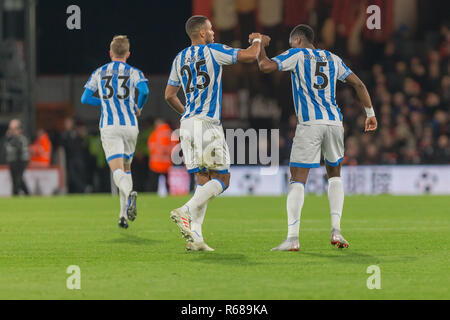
(202, 195)
(124, 197)
(295, 199)
(336, 199)
(197, 221)
(122, 181)
(130, 179)
(123, 204)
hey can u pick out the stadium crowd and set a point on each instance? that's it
(406, 71)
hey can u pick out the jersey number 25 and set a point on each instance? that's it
(200, 73)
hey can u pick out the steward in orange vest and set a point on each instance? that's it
(41, 150)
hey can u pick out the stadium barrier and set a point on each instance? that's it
(40, 181)
(368, 180)
(248, 180)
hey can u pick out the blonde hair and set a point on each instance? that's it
(120, 45)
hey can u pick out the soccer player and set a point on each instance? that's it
(198, 69)
(116, 83)
(314, 74)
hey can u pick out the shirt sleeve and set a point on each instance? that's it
(92, 83)
(138, 77)
(143, 94)
(224, 55)
(287, 60)
(174, 79)
(342, 70)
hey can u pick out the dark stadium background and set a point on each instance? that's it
(155, 28)
(405, 69)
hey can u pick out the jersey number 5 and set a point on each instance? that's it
(324, 77)
(110, 89)
(200, 73)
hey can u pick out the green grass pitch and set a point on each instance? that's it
(407, 237)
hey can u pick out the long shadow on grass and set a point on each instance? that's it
(346, 256)
(133, 239)
(234, 259)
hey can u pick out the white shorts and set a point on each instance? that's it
(204, 146)
(119, 142)
(312, 140)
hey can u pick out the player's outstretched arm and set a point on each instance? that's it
(364, 97)
(250, 54)
(88, 98)
(172, 99)
(265, 64)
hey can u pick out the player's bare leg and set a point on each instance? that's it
(336, 200)
(294, 206)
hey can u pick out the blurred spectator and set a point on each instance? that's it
(141, 181)
(17, 155)
(443, 150)
(225, 20)
(76, 145)
(246, 16)
(271, 18)
(41, 150)
(440, 124)
(160, 148)
(100, 173)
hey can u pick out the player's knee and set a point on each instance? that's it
(299, 174)
(224, 178)
(202, 178)
(115, 164)
(333, 172)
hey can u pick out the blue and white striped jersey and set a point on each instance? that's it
(314, 75)
(199, 70)
(116, 84)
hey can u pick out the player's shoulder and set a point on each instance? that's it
(290, 52)
(331, 55)
(97, 72)
(134, 69)
(102, 67)
(137, 74)
(219, 47)
(180, 54)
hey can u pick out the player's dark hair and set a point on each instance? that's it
(194, 24)
(304, 31)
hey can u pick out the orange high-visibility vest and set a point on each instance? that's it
(40, 151)
(160, 148)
